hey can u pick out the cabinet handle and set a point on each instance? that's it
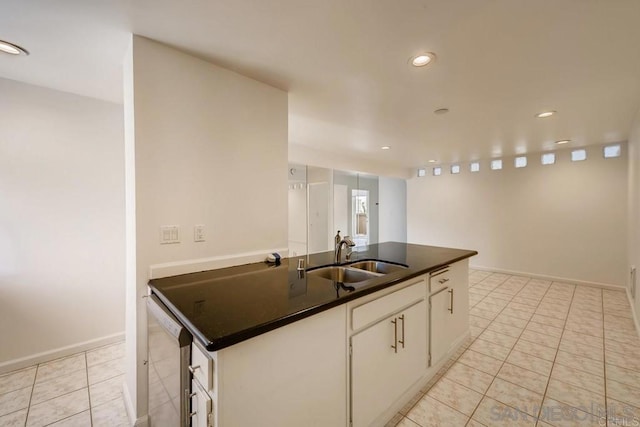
(395, 334)
(192, 369)
(402, 342)
(443, 281)
(451, 300)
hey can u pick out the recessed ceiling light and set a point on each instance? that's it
(386, 147)
(441, 111)
(422, 59)
(12, 49)
(563, 141)
(545, 114)
(432, 161)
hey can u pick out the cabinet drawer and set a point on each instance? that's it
(388, 304)
(201, 367)
(440, 279)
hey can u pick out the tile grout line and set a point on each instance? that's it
(86, 364)
(604, 365)
(546, 389)
(33, 387)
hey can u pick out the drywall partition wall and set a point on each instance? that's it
(566, 220)
(61, 224)
(634, 213)
(392, 209)
(210, 148)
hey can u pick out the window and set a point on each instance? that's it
(496, 164)
(474, 167)
(578, 155)
(548, 158)
(422, 172)
(612, 151)
(520, 162)
(437, 171)
(455, 169)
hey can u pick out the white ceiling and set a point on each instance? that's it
(344, 63)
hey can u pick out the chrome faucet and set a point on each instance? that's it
(338, 253)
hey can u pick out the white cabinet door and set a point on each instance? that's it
(440, 337)
(380, 373)
(458, 322)
(201, 406)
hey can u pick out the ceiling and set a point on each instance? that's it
(345, 66)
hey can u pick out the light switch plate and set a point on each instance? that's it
(169, 234)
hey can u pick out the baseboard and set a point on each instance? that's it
(551, 278)
(131, 413)
(157, 271)
(47, 356)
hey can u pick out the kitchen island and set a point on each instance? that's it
(280, 346)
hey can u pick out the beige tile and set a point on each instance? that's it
(618, 347)
(489, 348)
(61, 367)
(515, 396)
(594, 383)
(584, 328)
(523, 315)
(622, 414)
(541, 339)
(489, 306)
(104, 371)
(430, 412)
(14, 419)
(14, 400)
(58, 386)
(534, 349)
(17, 380)
(110, 414)
(579, 338)
(541, 328)
(499, 338)
(474, 423)
(613, 322)
(549, 312)
(623, 337)
(547, 320)
(59, 408)
(623, 360)
(479, 322)
(559, 414)
(581, 350)
(624, 392)
(489, 365)
(526, 301)
(475, 332)
(510, 320)
(493, 413)
(528, 379)
(522, 307)
(497, 295)
(105, 354)
(405, 422)
(106, 390)
(595, 367)
(530, 362)
(576, 397)
(502, 328)
(407, 407)
(82, 419)
(469, 377)
(622, 375)
(455, 395)
(485, 314)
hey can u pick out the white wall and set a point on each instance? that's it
(392, 209)
(61, 223)
(567, 220)
(634, 208)
(210, 148)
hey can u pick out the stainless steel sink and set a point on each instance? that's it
(380, 267)
(342, 274)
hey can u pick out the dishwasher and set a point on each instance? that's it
(169, 357)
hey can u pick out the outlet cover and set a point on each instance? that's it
(198, 233)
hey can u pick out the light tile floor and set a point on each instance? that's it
(84, 389)
(540, 353)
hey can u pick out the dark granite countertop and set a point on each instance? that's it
(226, 306)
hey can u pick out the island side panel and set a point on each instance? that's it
(292, 376)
